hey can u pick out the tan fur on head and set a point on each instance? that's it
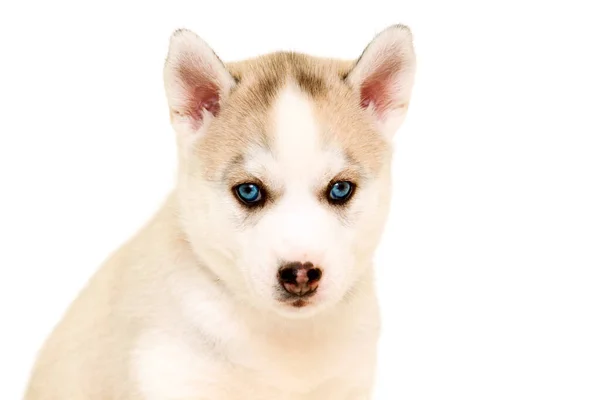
(244, 117)
(192, 307)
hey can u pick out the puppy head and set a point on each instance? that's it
(284, 164)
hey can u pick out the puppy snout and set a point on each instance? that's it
(299, 279)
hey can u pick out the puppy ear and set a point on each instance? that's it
(196, 83)
(384, 76)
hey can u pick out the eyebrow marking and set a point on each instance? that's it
(354, 165)
(234, 163)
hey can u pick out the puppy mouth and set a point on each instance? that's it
(297, 301)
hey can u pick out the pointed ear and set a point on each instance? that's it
(384, 76)
(196, 83)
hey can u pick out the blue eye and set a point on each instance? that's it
(248, 193)
(340, 191)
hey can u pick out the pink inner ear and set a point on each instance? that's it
(378, 88)
(201, 91)
(203, 97)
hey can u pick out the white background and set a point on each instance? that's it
(490, 268)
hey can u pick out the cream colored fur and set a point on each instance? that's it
(188, 308)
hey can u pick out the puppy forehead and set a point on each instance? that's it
(300, 148)
(293, 115)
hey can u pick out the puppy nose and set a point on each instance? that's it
(299, 278)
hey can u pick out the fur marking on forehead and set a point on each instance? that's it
(246, 119)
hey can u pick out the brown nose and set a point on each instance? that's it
(299, 279)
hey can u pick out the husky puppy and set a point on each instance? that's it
(254, 281)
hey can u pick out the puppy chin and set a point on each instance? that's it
(300, 309)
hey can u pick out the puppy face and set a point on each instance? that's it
(284, 165)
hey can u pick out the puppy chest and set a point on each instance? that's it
(265, 369)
